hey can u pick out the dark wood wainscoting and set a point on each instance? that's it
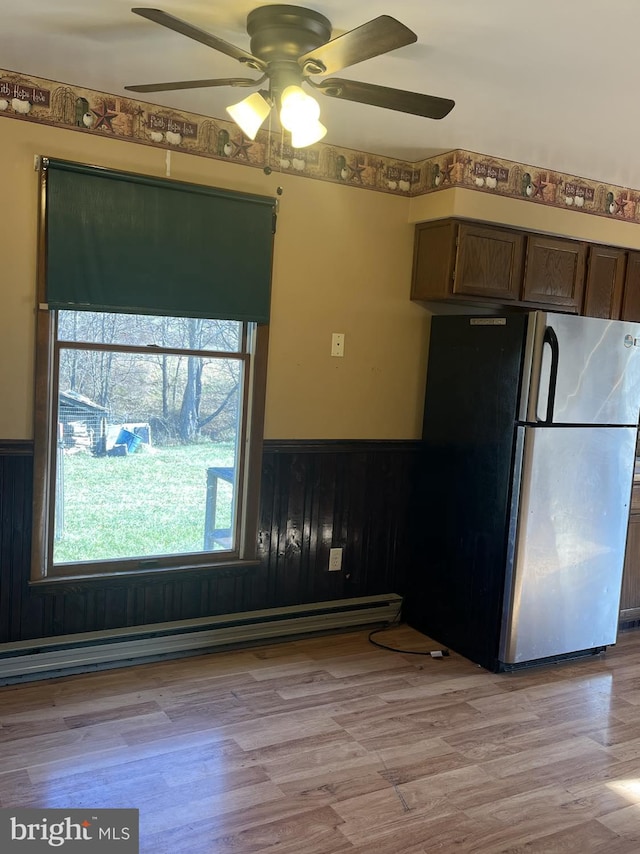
(314, 496)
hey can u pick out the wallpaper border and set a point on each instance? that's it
(32, 99)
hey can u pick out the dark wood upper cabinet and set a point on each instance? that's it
(453, 260)
(631, 301)
(554, 274)
(606, 268)
(489, 262)
(486, 265)
(433, 260)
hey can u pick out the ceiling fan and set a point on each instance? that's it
(289, 45)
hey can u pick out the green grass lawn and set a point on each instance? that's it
(148, 503)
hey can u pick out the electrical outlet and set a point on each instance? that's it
(337, 344)
(335, 560)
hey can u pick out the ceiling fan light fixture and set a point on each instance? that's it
(250, 113)
(299, 114)
(303, 136)
(297, 109)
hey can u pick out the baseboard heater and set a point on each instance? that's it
(78, 653)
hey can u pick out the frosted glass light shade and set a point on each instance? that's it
(303, 136)
(250, 113)
(297, 108)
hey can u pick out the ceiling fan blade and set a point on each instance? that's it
(371, 39)
(194, 84)
(429, 106)
(185, 29)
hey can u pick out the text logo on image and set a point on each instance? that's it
(110, 831)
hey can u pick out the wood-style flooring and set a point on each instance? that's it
(331, 745)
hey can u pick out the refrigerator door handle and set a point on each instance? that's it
(551, 339)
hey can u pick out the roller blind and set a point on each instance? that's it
(123, 242)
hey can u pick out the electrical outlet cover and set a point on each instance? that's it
(335, 560)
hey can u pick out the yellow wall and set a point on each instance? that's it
(520, 213)
(342, 264)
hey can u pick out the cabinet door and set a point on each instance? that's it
(489, 262)
(605, 282)
(555, 272)
(433, 259)
(631, 299)
(630, 597)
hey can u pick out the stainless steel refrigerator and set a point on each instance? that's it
(523, 486)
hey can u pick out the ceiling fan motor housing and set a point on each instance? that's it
(280, 35)
(286, 32)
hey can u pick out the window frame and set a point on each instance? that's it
(256, 336)
(45, 461)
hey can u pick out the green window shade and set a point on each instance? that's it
(123, 242)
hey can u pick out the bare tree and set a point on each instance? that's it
(189, 426)
(185, 395)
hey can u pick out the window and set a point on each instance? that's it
(148, 422)
(149, 410)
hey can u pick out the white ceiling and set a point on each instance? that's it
(550, 83)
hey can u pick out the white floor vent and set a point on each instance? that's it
(49, 657)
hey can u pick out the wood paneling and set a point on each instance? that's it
(16, 471)
(314, 496)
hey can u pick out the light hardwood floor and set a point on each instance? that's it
(330, 745)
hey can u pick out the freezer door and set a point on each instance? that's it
(584, 370)
(567, 541)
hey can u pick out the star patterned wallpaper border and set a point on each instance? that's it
(62, 105)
